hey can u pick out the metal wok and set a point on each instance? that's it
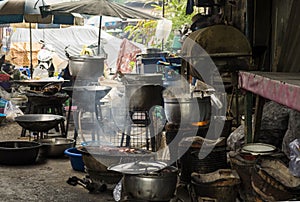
(98, 91)
(39, 122)
(18, 152)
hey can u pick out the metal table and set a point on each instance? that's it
(281, 87)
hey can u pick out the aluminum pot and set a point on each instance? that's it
(155, 186)
(187, 110)
(86, 66)
(55, 147)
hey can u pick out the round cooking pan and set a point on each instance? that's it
(39, 122)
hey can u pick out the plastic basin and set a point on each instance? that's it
(75, 157)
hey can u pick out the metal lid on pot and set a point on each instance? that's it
(138, 167)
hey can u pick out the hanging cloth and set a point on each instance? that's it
(189, 7)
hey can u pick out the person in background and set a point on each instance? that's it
(200, 21)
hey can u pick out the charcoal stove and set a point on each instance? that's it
(143, 92)
(190, 162)
(173, 130)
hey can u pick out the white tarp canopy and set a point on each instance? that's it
(76, 37)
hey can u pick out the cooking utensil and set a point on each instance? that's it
(39, 122)
(187, 110)
(18, 152)
(38, 83)
(51, 88)
(154, 186)
(86, 66)
(55, 147)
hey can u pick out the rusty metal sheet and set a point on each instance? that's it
(280, 87)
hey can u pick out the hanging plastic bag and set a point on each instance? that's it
(12, 111)
(163, 29)
(294, 164)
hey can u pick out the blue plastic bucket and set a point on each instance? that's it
(75, 159)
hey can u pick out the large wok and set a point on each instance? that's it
(18, 152)
(39, 122)
(87, 91)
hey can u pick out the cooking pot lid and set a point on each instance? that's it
(258, 148)
(138, 167)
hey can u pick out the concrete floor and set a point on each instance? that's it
(43, 181)
(46, 180)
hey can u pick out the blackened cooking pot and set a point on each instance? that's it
(18, 152)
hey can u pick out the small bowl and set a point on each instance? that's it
(75, 159)
(55, 147)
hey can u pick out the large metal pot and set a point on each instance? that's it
(154, 186)
(187, 110)
(19, 152)
(86, 66)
